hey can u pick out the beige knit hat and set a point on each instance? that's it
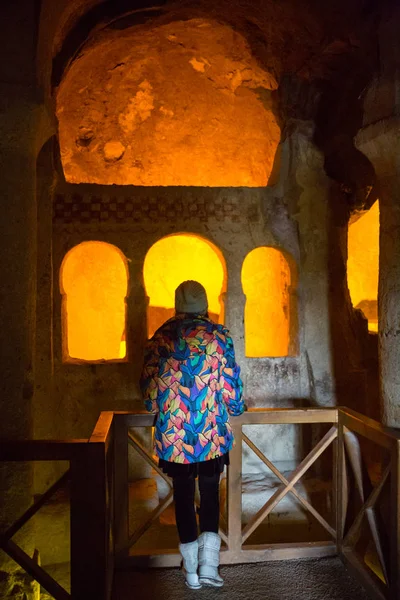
(191, 297)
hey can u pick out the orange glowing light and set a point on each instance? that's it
(183, 103)
(363, 264)
(177, 258)
(266, 280)
(94, 281)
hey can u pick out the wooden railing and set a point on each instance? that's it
(232, 533)
(368, 505)
(89, 479)
(363, 456)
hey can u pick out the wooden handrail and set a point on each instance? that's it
(48, 449)
(31, 450)
(372, 430)
(253, 416)
(102, 430)
(281, 416)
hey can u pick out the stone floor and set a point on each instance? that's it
(323, 579)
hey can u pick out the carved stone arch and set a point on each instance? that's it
(94, 286)
(269, 284)
(174, 259)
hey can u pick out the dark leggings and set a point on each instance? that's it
(185, 513)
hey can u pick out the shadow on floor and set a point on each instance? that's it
(323, 579)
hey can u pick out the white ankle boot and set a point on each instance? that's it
(209, 545)
(190, 555)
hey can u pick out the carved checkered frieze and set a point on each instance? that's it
(90, 208)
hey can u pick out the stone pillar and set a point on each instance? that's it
(235, 302)
(45, 406)
(23, 130)
(17, 291)
(17, 260)
(137, 302)
(380, 142)
(21, 119)
(312, 215)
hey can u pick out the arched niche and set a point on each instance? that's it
(183, 103)
(94, 284)
(174, 259)
(270, 312)
(363, 264)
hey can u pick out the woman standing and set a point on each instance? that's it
(191, 380)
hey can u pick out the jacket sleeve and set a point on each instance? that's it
(231, 385)
(148, 382)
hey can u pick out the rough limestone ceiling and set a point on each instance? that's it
(185, 103)
(293, 42)
(307, 38)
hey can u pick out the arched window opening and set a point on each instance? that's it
(266, 281)
(94, 284)
(363, 264)
(177, 258)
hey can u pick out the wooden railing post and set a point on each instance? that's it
(235, 492)
(341, 486)
(89, 527)
(395, 525)
(121, 524)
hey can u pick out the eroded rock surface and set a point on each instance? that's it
(184, 103)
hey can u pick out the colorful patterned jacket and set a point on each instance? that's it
(191, 380)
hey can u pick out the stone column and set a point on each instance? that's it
(380, 142)
(137, 302)
(235, 302)
(312, 216)
(20, 123)
(23, 131)
(45, 406)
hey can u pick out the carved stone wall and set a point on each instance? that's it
(236, 220)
